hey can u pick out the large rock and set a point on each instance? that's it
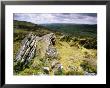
(49, 39)
(27, 51)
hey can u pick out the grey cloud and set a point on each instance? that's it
(86, 18)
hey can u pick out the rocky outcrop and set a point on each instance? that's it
(26, 52)
(28, 49)
(33, 46)
(49, 39)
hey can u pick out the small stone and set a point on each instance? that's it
(54, 63)
(46, 70)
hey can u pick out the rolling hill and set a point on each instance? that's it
(73, 29)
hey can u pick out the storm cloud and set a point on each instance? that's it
(43, 18)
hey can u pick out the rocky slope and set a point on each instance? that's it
(32, 47)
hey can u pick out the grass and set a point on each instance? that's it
(69, 56)
(76, 54)
(72, 57)
(16, 47)
(75, 59)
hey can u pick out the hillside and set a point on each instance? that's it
(83, 30)
(73, 52)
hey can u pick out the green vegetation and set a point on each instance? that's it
(87, 66)
(76, 30)
(76, 45)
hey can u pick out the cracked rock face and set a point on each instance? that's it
(27, 51)
(28, 48)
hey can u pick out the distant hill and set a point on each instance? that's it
(27, 25)
(74, 29)
(81, 30)
(24, 27)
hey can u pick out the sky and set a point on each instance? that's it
(44, 18)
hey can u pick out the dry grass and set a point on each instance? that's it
(72, 57)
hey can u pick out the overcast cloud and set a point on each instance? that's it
(43, 18)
